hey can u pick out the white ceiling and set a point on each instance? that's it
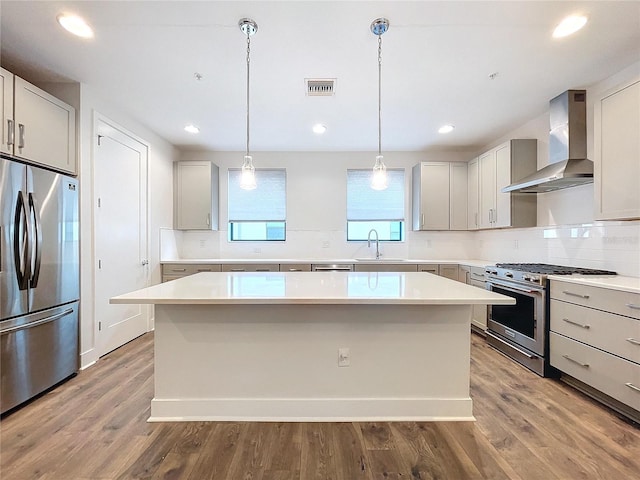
(437, 58)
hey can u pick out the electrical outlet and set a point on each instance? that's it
(257, 250)
(325, 244)
(515, 244)
(344, 358)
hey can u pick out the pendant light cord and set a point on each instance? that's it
(248, 53)
(379, 95)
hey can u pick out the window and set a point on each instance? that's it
(367, 208)
(259, 214)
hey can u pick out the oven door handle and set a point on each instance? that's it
(513, 287)
(526, 354)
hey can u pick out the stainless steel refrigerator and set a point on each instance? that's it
(39, 280)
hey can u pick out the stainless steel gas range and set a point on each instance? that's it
(521, 331)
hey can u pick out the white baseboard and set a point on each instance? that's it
(311, 410)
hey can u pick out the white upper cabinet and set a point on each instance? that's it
(458, 187)
(617, 154)
(196, 195)
(44, 128)
(439, 195)
(498, 168)
(6, 104)
(473, 220)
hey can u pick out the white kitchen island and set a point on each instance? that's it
(266, 346)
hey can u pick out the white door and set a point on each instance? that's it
(121, 246)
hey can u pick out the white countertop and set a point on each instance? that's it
(313, 288)
(614, 282)
(352, 261)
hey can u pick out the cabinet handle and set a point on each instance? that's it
(633, 305)
(204, 269)
(237, 270)
(11, 133)
(632, 387)
(295, 269)
(422, 220)
(585, 365)
(576, 323)
(20, 135)
(262, 270)
(633, 340)
(475, 217)
(571, 294)
(178, 269)
(208, 219)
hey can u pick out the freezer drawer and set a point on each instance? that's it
(36, 352)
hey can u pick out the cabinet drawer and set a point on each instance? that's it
(183, 269)
(612, 375)
(295, 267)
(615, 301)
(613, 333)
(250, 267)
(428, 268)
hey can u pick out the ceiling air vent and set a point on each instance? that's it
(320, 87)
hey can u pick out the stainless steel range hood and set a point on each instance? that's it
(569, 165)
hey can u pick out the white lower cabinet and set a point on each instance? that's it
(429, 268)
(448, 271)
(610, 374)
(171, 271)
(475, 276)
(250, 267)
(295, 267)
(385, 267)
(595, 338)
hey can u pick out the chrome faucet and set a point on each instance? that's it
(373, 230)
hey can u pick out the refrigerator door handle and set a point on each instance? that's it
(32, 324)
(21, 251)
(37, 247)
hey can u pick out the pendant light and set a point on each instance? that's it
(379, 178)
(248, 174)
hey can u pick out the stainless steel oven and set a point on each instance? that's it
(521, 331)
(523, 323)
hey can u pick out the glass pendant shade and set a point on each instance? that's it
(379, 177)
(248, 175)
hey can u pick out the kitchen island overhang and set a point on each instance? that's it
(265, 346)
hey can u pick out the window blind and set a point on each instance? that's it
(266, 203)
(365, 203)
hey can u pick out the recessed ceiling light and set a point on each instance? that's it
(319, 129)
(446, 129)
(75, 25)
(191, 129)
(569, 25)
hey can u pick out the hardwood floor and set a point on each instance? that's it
(528, 428)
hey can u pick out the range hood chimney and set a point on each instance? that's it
(568, 162)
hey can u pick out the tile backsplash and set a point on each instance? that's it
(603, 245)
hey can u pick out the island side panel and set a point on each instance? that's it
(280, 362)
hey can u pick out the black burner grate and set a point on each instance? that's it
(547, 269)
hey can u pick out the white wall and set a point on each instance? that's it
(162, 155)
(316, 209)
(316, 188)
